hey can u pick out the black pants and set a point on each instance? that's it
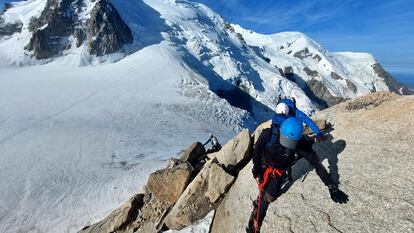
(304, 150)
(269, 193)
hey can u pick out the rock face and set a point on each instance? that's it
(106, 31)
(167, 184)
(235, 151)
(119, 217)
(302, 54)
(351, 86)
(61, 20)
(219, 182)
(7, 29)
(392, 84)
(310, 72)
(369, 153)
(193, 153)
(319, 93)
(336, 76)
(200, 196)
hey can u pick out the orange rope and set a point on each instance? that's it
(266, 175)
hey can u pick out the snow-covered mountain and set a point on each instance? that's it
(264, 66)
(80, 131)
(327, 78)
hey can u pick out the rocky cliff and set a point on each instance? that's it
(368, 152)
(63, 22)
(65, 25)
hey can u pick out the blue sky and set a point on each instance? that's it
(384, 28)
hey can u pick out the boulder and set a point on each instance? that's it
(219, 182)
(174, 162)
(119, 217)
(163, 189)
(196, 201)
(260, 128)
(233, 213)
(167, 184)
(235, 151)
(193, 153)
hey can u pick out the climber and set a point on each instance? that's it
(273, 154)
(215, 144)
(286, 108)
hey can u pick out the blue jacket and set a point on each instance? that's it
(293, 111)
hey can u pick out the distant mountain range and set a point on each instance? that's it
(225, 55)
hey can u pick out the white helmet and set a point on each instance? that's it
(282, 108)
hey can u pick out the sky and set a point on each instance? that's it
(384, 28)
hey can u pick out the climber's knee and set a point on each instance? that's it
(269, 198)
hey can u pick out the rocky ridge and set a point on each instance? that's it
(64, 25)
(368, 153)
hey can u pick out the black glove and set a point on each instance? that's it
(338, 196)
(321, 138)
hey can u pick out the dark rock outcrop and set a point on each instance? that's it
(392, 84)
(319, 93)
(259, 52)
(310, 72)
(52, 29)
(104, 31)
(288, 72)
(302, 54)
(280, 71)
(7, 29)
(351, 86)
(227, 26)
(317, 57)
(336, 76)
